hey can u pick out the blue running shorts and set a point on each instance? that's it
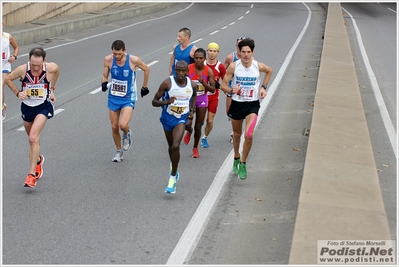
(169, 121)
(118, 103)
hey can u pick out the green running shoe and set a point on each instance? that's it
(236, 165)
(242, 172)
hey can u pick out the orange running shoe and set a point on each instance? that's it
(187, 138)
(30, 180)
(39, 168)
(195, 153)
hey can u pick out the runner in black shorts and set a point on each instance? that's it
(245, 105)
(240, 110)
(30, 113)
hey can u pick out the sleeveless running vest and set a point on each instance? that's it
(123, 80)
(194, 77)
(248, 79)
(182, 55)
(5, 51)
(216, 73)
(36, 87)
(182, 94)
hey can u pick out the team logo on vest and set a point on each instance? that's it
(125, 73)
(115, 72)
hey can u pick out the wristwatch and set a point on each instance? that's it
(15, 57)
(264, 86)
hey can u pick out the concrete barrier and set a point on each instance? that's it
(58, 27)
(340, 197)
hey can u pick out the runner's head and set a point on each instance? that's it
(213, 50)
(181, 70)
(118, 49)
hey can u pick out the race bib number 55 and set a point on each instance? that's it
(35, 91)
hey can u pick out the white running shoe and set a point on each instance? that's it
(126, 142)
(118, 156)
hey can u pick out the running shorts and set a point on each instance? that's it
(239, 110)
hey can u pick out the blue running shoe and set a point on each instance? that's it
(170, 172)
(171, 188)
(204, 142)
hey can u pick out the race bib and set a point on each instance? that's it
(118, 88)
(200, 88)
(35, 91)
(246, 93)
(180, 105)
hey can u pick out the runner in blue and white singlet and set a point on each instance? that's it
(176, 96)
(123, 89)
(182, 94)
(122, 94)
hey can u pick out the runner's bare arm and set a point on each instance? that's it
(139, 63)
(18, 72)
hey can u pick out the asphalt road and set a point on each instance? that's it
(88, 210)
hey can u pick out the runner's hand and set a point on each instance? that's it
(104, 86)
(144, 91)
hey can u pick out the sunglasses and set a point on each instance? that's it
(241, 38)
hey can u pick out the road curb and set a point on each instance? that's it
(340, 197)
(59, 27)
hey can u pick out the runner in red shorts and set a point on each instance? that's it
(213, 98)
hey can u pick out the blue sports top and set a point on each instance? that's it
(123, 83)
(182, 55)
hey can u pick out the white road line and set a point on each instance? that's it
(149, 64)
(212, 33)
(55, 113)
(198, 222)
(95, 91)
(152, 63)
(224, 27)
(58, 111)
(377, 92)
(116, 30)
(196, 41)
(240, 18)
(232, 23)
(392, 10)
